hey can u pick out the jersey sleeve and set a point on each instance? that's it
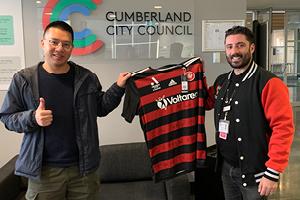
(131, 101)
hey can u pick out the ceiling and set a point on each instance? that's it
(274, 4)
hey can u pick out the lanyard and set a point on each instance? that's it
(227, 101)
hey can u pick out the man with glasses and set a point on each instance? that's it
(56, 104)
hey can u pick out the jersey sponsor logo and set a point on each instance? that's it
(155, 84)
(163, 102)
(172, 82)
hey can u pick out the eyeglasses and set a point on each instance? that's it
(55, 43)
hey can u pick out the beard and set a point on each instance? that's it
(244, 60)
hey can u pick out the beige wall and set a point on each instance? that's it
(114, 129)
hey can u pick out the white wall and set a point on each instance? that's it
(113, 128)
(9, 143)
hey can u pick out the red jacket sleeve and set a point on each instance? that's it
(210, 98)
(279, 113)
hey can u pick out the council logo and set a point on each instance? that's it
(85, 42)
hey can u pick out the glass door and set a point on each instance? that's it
(292, 53)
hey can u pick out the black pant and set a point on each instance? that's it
(233, 185)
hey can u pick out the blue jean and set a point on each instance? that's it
(233, 188)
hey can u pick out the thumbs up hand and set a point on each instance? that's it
(43, 117)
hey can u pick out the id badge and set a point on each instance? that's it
(184, 84)
(226, 108)
(224, 126)
(223, 129)
(223, 135)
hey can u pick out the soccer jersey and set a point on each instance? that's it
(170, 104)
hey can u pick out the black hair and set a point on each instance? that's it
(60, 25)
(240, 30)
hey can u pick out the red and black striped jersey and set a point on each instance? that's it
(170, 104)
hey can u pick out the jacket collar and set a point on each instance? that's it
(249, 74)
(30, 74)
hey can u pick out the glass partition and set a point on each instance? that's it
(293, 54)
